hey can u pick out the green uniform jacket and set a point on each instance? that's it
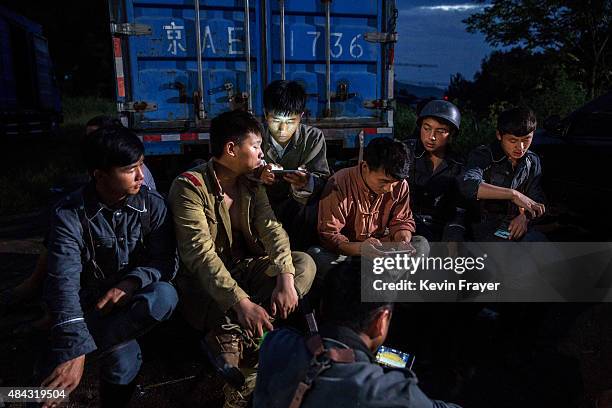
(204, 238)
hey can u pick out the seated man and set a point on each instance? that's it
(365, 205)
(505, 177)
(293, 145)
(237, 266)
(111, 253)
(435, 200)
(32, 286)
(358, 381)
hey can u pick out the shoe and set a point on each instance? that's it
(240, 398)
(224, 348)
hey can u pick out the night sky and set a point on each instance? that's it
(432, 32)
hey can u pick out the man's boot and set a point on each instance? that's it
(224, 347)
(115, 395)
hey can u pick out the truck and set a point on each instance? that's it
(179, 63)
(30, 102)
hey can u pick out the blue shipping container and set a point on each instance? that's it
(169, 84)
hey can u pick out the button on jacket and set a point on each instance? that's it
(74, 284)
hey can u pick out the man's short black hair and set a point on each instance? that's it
(101, 121)
(233, 126)
(341, 299)
(285, 97)
(517, 121)
(110, 147)
(390, 155)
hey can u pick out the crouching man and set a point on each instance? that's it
(237, 267)
(111, 253)
(347, 375)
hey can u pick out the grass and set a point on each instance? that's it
(78, 110)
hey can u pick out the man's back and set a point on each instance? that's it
(284, 361)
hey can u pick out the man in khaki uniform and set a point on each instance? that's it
(237, 265)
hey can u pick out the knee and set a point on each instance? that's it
(162, 299)
(421, 245)
(305, 271)
(122, 363)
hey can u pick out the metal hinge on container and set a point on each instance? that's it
(130, 29)
(385, 104)
(376, 37)
(138, 106)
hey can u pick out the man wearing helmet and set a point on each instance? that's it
(435, 200)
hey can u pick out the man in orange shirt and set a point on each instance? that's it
(367, 205)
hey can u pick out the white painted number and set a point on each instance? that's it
(316, 34)
(356, 50)
(336, 50)
(336, 45)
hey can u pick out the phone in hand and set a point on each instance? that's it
(503, 231)
(284, 171)
(390, 357)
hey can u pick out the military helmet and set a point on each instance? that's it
(443, 110)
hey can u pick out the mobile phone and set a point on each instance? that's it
(389, 357)
(284, 171)
(398, 252)
(502, 231)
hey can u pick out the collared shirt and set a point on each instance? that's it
(205, 239)
(350, 212)
(306, 148)
(73, 285)
(490, 164)
(435, 193)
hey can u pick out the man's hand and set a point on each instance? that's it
(252, 317)
(117, 296)
(267, 177)
(298, 179)
(518, 226)
(284, 296)
(403, 236)
(522, 201)
(66, 376)
(371, 248)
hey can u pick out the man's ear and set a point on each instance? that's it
(498, 135)
(97, 173)
(380, 324)
(230, 149)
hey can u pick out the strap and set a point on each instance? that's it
(321, 361)
(145, 216)
(298, 396)
(90, 251)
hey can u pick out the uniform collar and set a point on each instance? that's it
(293, 142)
(93, 205)
(214, 185)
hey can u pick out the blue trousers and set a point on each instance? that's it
(115, 334)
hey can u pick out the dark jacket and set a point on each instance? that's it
(490, 164)
(74, 284)
(306, 148)
(284, 360)
(435, 198)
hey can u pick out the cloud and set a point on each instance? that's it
(443, 8)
